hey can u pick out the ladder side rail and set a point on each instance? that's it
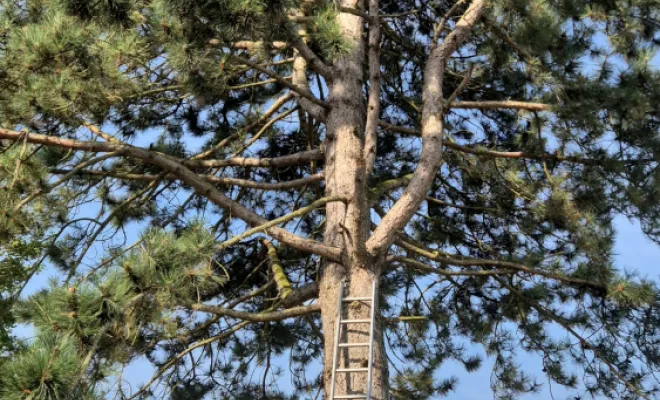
(335, 346)
(372, 327)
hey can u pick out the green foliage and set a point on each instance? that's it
(48, 369)
(111, 314)
(326, 33)
(66, 68)
(165, 75)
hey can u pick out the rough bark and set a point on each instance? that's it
(347, 224)
(373, 103)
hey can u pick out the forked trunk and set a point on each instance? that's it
(347, 224)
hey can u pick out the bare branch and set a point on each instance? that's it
(257, 317)
(460, 88)
(202, 187)
(285, 185)
(420, 266)
(501, 105)
(301, 158)
(432, 132)
(373, 102)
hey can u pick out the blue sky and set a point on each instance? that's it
(634, 252)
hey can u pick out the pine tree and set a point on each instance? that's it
(470, 156)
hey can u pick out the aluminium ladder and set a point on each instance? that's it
(338, 330)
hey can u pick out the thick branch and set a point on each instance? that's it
(200, 186)
(220, 180)
(302, 55)
(312, 59)
(301, 158)
(373, 102)
(432, 132)
(301, 295)
(257, 317)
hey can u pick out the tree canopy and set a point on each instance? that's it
(200, 172)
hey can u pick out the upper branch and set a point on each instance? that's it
(432, 132)
(312, 59)
(373, 102)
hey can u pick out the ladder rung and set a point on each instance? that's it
(352, 369)
(348, 299)
(353, 344)
(355, 321)
(352, 396)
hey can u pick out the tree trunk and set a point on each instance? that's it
(347, 224)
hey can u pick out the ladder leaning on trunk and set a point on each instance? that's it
(339, 323)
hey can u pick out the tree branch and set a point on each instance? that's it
(301, 158)
(271, 110)
(429, 269)
(584, 342)
(301, 295)
(227, 333)
(500, 154)
(312, 59)
(373, 101)
(250, 45)
(257, 317)
(68, 175)
(500, 105)
(292, 184)
(304, 93)
(302, 55)
(263, 227)
(432, 132)
(471, 262)
(202, 187)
